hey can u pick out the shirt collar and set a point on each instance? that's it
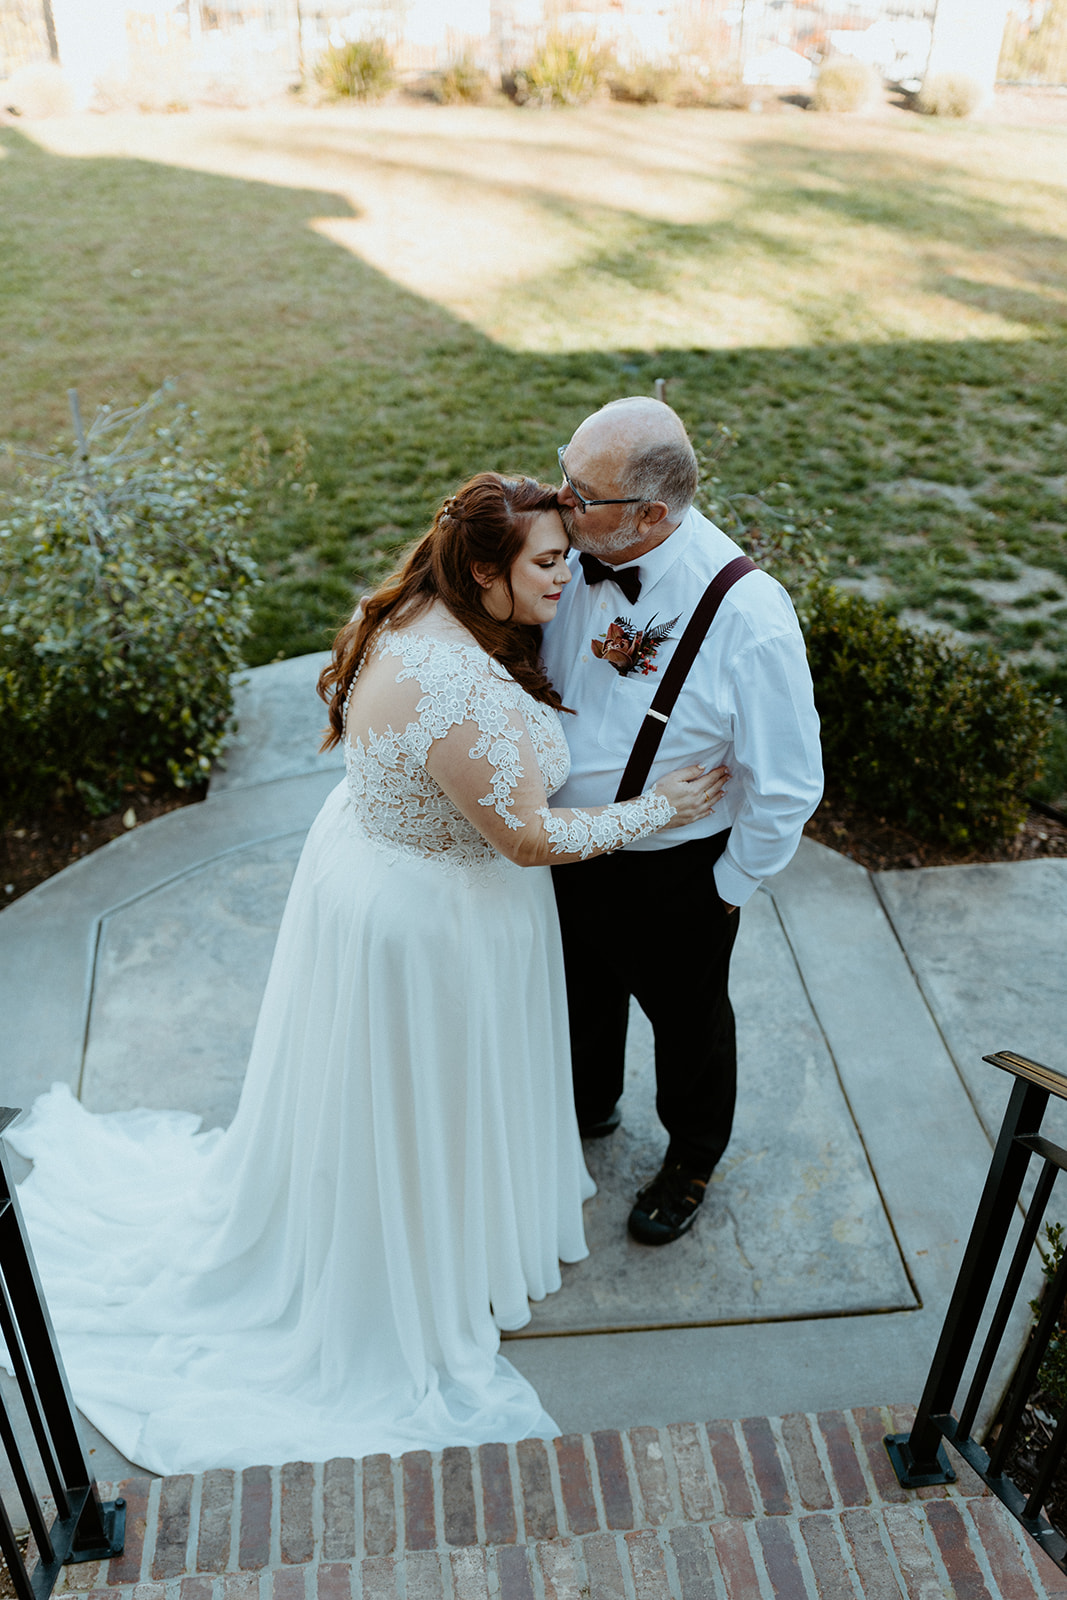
(657, 562)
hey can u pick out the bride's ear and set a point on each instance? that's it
(482, 575)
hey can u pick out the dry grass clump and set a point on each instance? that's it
(361, 69)
(644, 84)
(676, 83)
(949, 94)
(463, 82)
(845, 84)
(568, 69)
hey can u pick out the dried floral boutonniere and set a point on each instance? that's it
(631, 649)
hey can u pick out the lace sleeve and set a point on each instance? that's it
(486, 764)
(579, 834)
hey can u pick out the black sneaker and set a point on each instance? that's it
(667, 1207)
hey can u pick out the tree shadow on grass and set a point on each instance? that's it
(119, 272)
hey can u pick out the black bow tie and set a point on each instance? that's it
(628, 580)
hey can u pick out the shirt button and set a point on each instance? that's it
(585, 658)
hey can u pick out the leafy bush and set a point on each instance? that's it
(1052, 787)
(845, 84)
(125, 595)
(463, 82)
(362, 69)
(945, 738)
(567, 70)
(949, 94)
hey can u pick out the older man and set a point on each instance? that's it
(658, 920)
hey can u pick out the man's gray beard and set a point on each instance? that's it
(600, 544)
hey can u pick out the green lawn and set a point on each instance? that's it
(876, 306)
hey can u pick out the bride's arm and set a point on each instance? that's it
(492, 776)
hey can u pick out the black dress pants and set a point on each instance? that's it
(650, 924)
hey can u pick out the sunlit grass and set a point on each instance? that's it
(876, 306)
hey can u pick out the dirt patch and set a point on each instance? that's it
(35, 848)
(882, 845)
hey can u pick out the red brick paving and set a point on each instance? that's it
(802, 1508)
(576, 1483)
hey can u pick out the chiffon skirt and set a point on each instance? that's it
(329, 1276)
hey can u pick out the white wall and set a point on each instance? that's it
(967, 39)
(92, 41)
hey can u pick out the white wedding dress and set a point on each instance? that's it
(329, 1275)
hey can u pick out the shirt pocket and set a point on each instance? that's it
(625, 706)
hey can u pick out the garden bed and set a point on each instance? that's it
(35, 848)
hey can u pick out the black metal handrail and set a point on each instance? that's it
(84, 1528)
(919, 1456)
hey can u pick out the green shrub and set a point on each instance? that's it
(463, 82)
(359, 70)
(845, 84)
(568, 69)
(946, 739)
(949, 94)
(125, 595)
(1052, 787)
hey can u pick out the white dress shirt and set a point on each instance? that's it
(746, 704)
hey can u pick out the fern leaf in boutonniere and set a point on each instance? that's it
(631, 649)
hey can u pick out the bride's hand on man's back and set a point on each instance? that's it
(692, 792)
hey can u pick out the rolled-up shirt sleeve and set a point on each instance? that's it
(776, 764)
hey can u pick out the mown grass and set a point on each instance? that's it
(877, 309)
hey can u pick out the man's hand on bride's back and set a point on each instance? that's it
(692, 792)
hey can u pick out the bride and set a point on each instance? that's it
(329, 1275)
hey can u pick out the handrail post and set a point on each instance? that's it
(85, 1529)
(918, 1456)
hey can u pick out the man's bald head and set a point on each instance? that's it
(648, 449)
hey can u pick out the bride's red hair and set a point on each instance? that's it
(484, 523)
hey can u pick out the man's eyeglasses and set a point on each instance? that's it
(583, 502)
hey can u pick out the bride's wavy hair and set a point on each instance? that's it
(485, 523)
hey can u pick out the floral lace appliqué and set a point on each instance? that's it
(392, 797)
(615, 826)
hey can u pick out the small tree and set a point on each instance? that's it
(771, 525)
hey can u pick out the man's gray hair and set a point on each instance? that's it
(666, 472)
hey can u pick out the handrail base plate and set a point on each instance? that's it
(898, 1447)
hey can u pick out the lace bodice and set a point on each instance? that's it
(447, 757)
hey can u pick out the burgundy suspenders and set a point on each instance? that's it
(651, 731)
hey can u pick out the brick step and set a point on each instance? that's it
(791, 1506)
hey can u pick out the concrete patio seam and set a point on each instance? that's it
(851, 1108)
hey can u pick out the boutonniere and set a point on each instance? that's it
(631, 649)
